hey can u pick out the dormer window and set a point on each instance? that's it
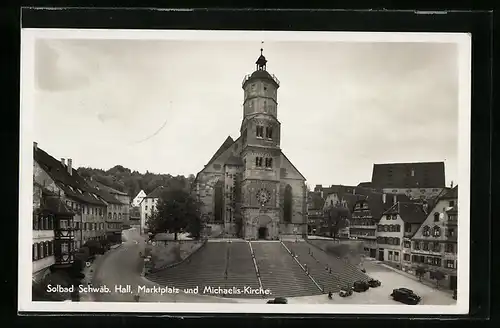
(426, 232)
(436, 232)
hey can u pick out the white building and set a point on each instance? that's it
(147, 205)
(138, 199)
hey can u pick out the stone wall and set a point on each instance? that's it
(165, 253)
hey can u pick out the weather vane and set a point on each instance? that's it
(262, 42)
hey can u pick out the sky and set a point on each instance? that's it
(166, 106)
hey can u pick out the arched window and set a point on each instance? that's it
(119, 216)
(35, 221)
(46, 248)
(114, 216)
(109, 216)
(287, 204)
(436, 231)
(40, 222)
(426, 231)
(218, 201)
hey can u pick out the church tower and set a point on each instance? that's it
(261, 154)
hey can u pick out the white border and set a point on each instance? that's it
(28, 37)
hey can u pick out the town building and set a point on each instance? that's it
(59, 179)
(249, 187)
(315, 214)
(367, 212)
(138, 198)
(424, 180)
(113, 219)
(434, 246)
(401, 221)
(135, 217)
(148, 205)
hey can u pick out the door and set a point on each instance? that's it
(381, 255)
(373, 253)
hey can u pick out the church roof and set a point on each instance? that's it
(233, 160)
(227, 143)
(293, 165)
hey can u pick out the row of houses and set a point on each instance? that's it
(70, 211)
(408, 225)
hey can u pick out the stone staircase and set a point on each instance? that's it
(329, 272)
(240, 268)
(206, 267)
(280, 273)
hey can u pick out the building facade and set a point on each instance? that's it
(148, 205)
(416, 180)
(249, 187)
(400, 221)
(434, 246)
(62, 181)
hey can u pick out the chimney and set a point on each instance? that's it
(35, 145)
(395, 199)
(321, 193)
(354, 191)
(384, 198)
(451, 185)
(63, 162)
(70, 166)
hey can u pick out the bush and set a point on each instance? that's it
(420, 272)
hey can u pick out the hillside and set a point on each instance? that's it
(131, 182)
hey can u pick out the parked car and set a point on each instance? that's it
(374, 283)
(345, 292)
(278, 300)
(360, 286)
(406, 296)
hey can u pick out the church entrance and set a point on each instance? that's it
(262, 233)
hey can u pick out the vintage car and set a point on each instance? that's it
(345, 292)
(406, 296)
(360, 286)
(374, 283)
(278, 300)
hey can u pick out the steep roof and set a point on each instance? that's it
(365, 184)
(108, 197)
(376, 202)
(111, 190)
(74, 186)
(53, 204)
(409, 175)
(293, 166)
(156, 193)
(411, 212)
(451, 194)
(225, 145)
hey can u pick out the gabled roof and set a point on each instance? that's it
(409, 175)
(411, 212)
(225, 145)
(376, 202)
(157, 192)
(111, 190)
(293, 166)
(102, 192)
(74, 186)
(53, 204)
(451, 194)
(365, 184)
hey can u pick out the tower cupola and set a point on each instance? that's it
(261, 62)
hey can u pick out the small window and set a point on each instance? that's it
(260, 131)
(436, 232)
(258, 161)
(436, 217)
(269, 162)
(269, 132)
(452, 203)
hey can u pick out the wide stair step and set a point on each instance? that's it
(329, 272)
(280, 273)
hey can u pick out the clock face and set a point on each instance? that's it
(263, 196)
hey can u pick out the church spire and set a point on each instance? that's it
(261, 61)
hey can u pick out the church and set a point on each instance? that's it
(249, 188)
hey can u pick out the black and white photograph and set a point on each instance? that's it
(244, 171)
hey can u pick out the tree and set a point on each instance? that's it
(419, 272)
(337, 218)
(438, 276)
(175, 212)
